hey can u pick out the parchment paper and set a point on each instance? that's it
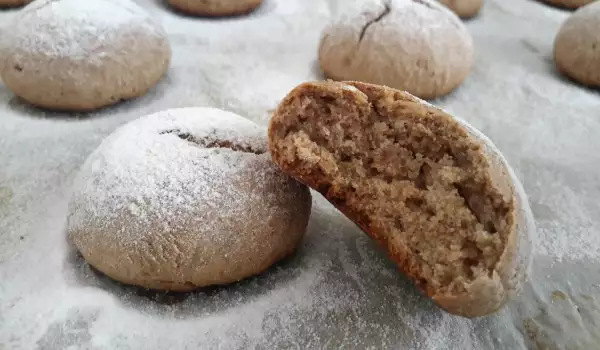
(339, 290)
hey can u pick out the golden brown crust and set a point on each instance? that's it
(372, 43)
(484, 295)
(216, 8)
(134, 59)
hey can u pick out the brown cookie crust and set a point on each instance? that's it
(215, 8)
(13, 3)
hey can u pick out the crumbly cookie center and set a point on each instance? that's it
(415, 180)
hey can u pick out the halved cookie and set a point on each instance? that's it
(432, 190)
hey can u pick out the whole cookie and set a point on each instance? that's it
(577, 46)
(14, 3)
(463, 8)
(569, 4)
(185, 198)
(415, 45)
(431, 189)
(82, 55)
(216, 8)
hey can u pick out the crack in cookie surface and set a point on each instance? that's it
(424, 3)
(212, 142)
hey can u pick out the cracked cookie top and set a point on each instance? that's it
(414, 45)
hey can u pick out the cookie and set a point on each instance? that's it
(568, 4)
(185, 198)
(13, 3)
(577, 46)
(432, 190)
(463, 8)
(76, 55)
(215, 8)
(418, 46)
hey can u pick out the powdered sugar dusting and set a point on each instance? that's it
(147, 169)
(77, 29)
(185, 196)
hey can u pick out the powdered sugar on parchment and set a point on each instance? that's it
(339, 290)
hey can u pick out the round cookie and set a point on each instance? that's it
(185, 198)
(463, 8)
(215, 8)
(82, 55)
(415, 45)
(431, 189)
(568, 4)
(14, 3)
(577, 46)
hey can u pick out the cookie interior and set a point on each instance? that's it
(407, 173)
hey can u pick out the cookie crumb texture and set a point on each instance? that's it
(418, 46)
(408, 174)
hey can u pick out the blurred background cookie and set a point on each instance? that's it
(417, 46)
(82, 55)
(577, 46)
(215, 8)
